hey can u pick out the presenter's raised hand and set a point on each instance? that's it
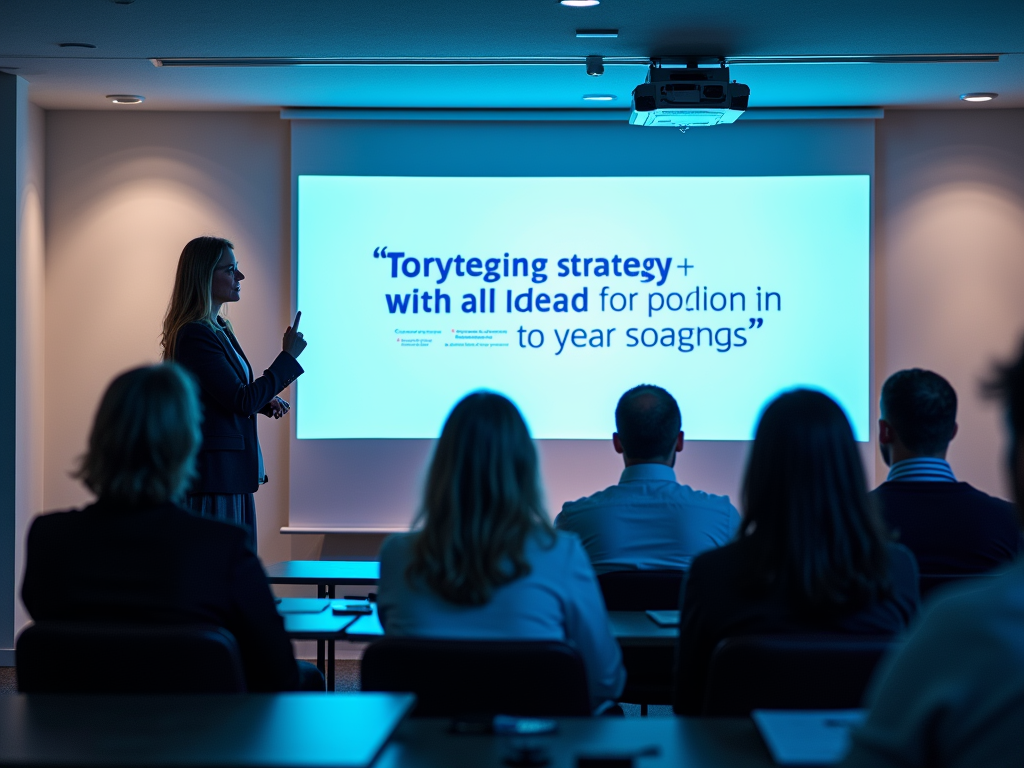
(293, 341)
(276, 408)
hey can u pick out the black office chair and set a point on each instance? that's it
(929, 582)
(790, 672)
(648, 670)
(73, 657)
(641, 590)
(471, 677)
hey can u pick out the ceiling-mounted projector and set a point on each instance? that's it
(683, 97)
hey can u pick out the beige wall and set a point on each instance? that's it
(949, 258)
(124, 193)
(29, 413)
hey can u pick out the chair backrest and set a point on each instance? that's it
(929, 582)
(480, 677)
(80, 657)
(641, 590)
(790, 672)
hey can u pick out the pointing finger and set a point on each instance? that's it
(295, 322)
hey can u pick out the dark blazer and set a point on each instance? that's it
(158, 565)
(716, 605)
(950, 527)
(228, 462)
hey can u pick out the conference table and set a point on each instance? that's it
(348, 730)
(637, 629)
(325, 575)
(304, 620)
(653, 742)
(317, 622)
(311, 618)
(630, 628)
(308, 618)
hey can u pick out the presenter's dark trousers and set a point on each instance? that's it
(236, 508)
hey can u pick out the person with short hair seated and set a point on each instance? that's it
(649, 521)
(950, 526)
(953, 694)
(136, 556)
(483, 562)
(813, 556)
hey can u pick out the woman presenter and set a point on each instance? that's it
(229, 468)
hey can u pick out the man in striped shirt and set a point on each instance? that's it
(952, 528)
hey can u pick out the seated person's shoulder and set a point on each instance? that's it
(989, 608)
(903, 570)
(397, 546)
(52, 527)
(703, 498)
(994, 502)
(185, 528)
(900, 556)
(595, 501)
(177, 517)
(51, 520)
(720, 561)
(556, 556)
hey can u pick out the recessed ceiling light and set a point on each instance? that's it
(597, 33)
(123, 98)
(75, 45)
(580, 3)
(599, 97)
(977, 96)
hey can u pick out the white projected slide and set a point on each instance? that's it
(564, 292)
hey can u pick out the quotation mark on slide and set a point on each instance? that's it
(756, 322)
(380, 253)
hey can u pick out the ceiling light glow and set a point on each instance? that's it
(580, 3)
(976, 97)
(124, 98)
(599, 97)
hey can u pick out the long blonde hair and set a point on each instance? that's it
(482, 502)
(191, 301)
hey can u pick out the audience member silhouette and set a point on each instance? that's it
(484, 562)
(813, 556)
(951, 527)
(648, 521)
(953, 694)
(136, 556)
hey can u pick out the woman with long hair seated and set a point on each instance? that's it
(484, 562)
(812, 557)
(136, 556)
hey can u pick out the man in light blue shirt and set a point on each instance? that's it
(648, 521)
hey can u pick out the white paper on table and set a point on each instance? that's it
(807, 737)
(664, 618)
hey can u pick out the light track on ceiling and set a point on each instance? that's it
(478, 61)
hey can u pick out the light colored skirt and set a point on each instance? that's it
(236, 508)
